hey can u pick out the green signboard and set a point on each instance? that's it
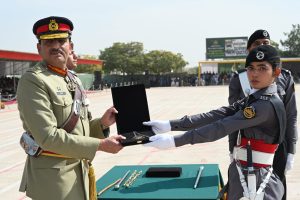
(231, 47)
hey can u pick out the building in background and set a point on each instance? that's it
(14, 64)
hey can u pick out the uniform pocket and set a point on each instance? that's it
(62, 107)
(274, 188)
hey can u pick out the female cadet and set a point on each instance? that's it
(261, 117)
(284, 156)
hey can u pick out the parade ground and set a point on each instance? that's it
(164, 103)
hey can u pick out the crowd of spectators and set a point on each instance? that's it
(8, 87)
(211, 78)
(167, 80)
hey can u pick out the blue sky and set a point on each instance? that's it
(180, 26)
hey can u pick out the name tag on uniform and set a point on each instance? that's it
(61, 93)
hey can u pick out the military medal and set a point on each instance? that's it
(71, 86)
(249, 112)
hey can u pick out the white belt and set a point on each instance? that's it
(257, 156)
(259, 194)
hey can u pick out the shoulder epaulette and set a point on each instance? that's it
(38, 68)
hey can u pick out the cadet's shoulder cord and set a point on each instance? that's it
(250, 100)
(241, 104)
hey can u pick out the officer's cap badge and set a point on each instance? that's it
(265, 33)
(53, 26)
(260, 55)
(249, 112)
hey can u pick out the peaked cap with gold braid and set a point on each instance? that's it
(52, 27)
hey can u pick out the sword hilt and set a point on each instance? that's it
(249, 157)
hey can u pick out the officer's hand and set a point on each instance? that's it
(289, 162)
(159, 126)
(111, 144)
(109, 117)
(164, 141)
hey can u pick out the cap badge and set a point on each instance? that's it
(260, 55)
(265, 33)
(249, 112)
(53, 26)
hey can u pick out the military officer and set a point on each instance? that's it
(284, 156)
(59, 125)
(72, 60)
(260, 117)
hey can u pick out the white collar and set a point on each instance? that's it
(253, 90)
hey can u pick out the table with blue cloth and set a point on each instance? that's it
(149, 188)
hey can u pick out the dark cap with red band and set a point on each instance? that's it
(52, 27)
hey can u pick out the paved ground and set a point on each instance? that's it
(164, 103)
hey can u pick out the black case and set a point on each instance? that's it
(131, 103)
(163, 172)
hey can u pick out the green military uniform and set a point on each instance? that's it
(45, 102)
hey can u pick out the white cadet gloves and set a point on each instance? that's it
(163, 141)
(289, 162)
(159, 126)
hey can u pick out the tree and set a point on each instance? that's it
(275, 45)
(158, 61)
(124, 57)
(192, 70)
(82, 68)
(292, 43)
(130, 58)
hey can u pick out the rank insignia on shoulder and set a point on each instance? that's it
(249, 112)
